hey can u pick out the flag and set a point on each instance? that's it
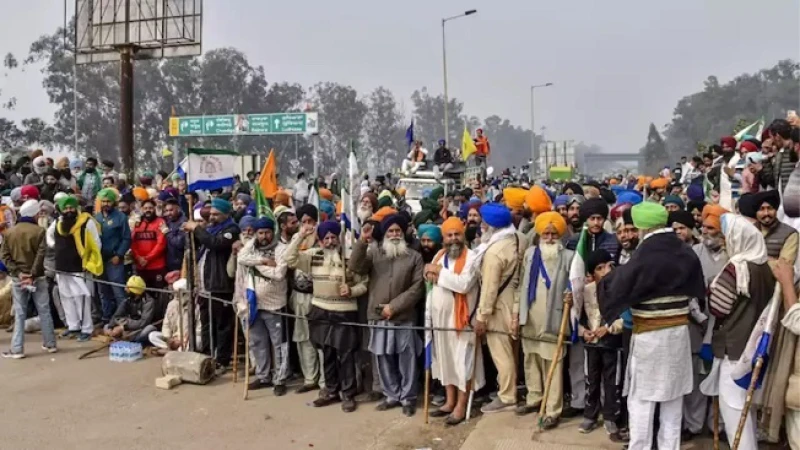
(577, 275)
(166, 152)
(252, 300)
(268, 181)
(758, 345)
(467, 144)
(410, 133)
(741, 134)
(313, 197)
(428, 326)
(262, 206)
(355, 193)
(181, 170)
(208, 169)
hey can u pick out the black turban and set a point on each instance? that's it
(770, 197)
(608, 196)
(596, 258)
(695, 204)
(593, 206)
(627, 217)
(748, 205)
(574, 187)
(308, 210)
(684, 218)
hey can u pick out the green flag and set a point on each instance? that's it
(262, 206)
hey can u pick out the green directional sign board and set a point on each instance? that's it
(244, 124)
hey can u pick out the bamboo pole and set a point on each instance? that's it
(247, 359)
(471, 383)
(748, 401)
(426, 395)
(236, 349)
(716, 423)
(557, 356)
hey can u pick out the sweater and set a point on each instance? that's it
(23, 249)
(115, 234)
(270, 283)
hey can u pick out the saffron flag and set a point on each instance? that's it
(467, 144)
(759, 343)
(577, 276)
(209, 169)
(410, 133)
(268, 181)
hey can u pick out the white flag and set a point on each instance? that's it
(210, 169)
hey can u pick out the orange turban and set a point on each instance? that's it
(659, 183)
(326, 194)
(641, 181)
(140, 194)
(453, 224)
(382, 213)
(711, 216)
(514, 197)
(550, 218)
(282, 198)
(613, 181)
(538, 201)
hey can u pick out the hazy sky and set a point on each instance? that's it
(616, 64)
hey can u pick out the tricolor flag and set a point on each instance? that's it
(209, 169)
(577, 277)
(759, 343)
(428, 326)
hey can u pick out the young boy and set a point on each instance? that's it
(603, 346)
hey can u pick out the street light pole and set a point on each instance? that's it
(533, 132)
(444, 70)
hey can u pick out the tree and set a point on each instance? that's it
(342, 115)
(384, 133)
(655, 151)
(429, 118)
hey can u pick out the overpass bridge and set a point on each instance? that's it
(599, 162)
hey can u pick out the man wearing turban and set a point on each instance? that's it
(781, 239)
(673, 203)
(498, 308)
(430, 241)
(545, 276)
(682, 223)
(116, 241)
(574, 222)
(560, 205)
(335, 300)
(659, 189)
(660, 306)
(75, 240)
(514, 198)
(392, 303)
(627, 236)
(454, 273)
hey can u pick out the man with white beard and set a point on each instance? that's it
(396, 285)
(454, 273)
(367, 206)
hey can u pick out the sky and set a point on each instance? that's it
(615, 65)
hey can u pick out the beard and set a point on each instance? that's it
(263, 244)
(149, 216)
(455, 250)
(68, 220)
(428, 253)
(549, 251)
(364, 213)
(394, 248)
(712, 243)
(487, 235)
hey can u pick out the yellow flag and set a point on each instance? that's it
(467, 144)
(166, 152)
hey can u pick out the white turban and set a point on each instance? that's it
(152, 193)
(197, 216)
(40, 165)
(29, 209)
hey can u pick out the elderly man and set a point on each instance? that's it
(215, 242)
(262, 259)
(300, 303)
(334, 301)
(781, 239)
(116, 238)
(737, 297)
(502, 248)
(367, 206)
(75, 238)
(392, 303)
(545, 277)
(660, 365)
(457, 361)
(791, 322)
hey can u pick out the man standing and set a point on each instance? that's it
(628, 237)
(498, 308)
(89, 182)
(335, 294)
(116, 238)
(262, 258)
(781, 239)
(574, 222)
(660, 365)
(683, 223)
(76, 240)
(23, 252)
(545, 277)
(216, 242)
(176, 239)
(482, 148)
(430, 241)
(367, 206)
(392, 304)
(149, 246)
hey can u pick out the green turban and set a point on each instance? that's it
(68, 201)
(107, 194)
(649, 215)
(423, 217)
(436, 193)
(385, 201)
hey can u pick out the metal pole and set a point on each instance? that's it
(126, 109)
(444, 72)
(315, 138)
(75, 101)
(533, 140)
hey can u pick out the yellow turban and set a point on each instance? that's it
(659, 183)
(538, 201)
(514, 197)
(140, 194)
(453, 224)
(550, 218)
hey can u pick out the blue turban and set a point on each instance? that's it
(328, 208)
(167, 194)
(3, 267)
(629, 196)
(695, 192)
(496, 215)
(675, 200)
(221, 205)
(392, 219)
(245, 198)
(431, 231)
(247, 222)
(262, 223)
(561, 200)
(329, 226)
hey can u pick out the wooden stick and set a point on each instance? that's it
(180, 320)
(471, 383)
(716, 423)
(748, 401)
(556, 357)
(247, 360)
(426, 395)
(236, 349)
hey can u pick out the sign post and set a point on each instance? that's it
(244, 124)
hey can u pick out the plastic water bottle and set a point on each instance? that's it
(112, 352)
(137, 351)
(126, 352)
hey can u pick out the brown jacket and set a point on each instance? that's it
(397, 282)
(500, 263)
(23, 249)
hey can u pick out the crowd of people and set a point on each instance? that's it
(663, 283)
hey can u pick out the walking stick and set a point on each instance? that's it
(247, 360)
(557, 356)
(471, 383)
(236, 349)
(716, 423)
(748, 401)
(427, 392)
(180, 319)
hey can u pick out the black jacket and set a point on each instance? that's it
(218, 248)
(442, 156)
(135, 313)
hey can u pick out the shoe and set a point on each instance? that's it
(438, 400)
(348, 405)
(548, 423)
(306, 388)
(370, 397)
(611, 428)
(587, 426)
(12, 355)
(258, 384)
(569, 412)
(497, 406)
(68, 334)
(279, 390)
(84, 337)
(221, 370)
(436, 413)
(386, 405)
(324, 400)
(524, 410)
(10, 328)
(453, 421)
(409, 410)
(687, 435)
(52, 349)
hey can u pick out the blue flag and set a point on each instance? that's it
(410, 133)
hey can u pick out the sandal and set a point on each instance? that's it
(439, 413)
(453, 421)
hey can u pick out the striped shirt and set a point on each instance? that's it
(724, 295)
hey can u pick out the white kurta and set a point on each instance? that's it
(81, 283)
(660, 366)
(453, 354)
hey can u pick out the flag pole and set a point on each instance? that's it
(427, 390)
(471, 385)
(716, 423)
(191, 267)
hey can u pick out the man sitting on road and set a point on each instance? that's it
(133, 320)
